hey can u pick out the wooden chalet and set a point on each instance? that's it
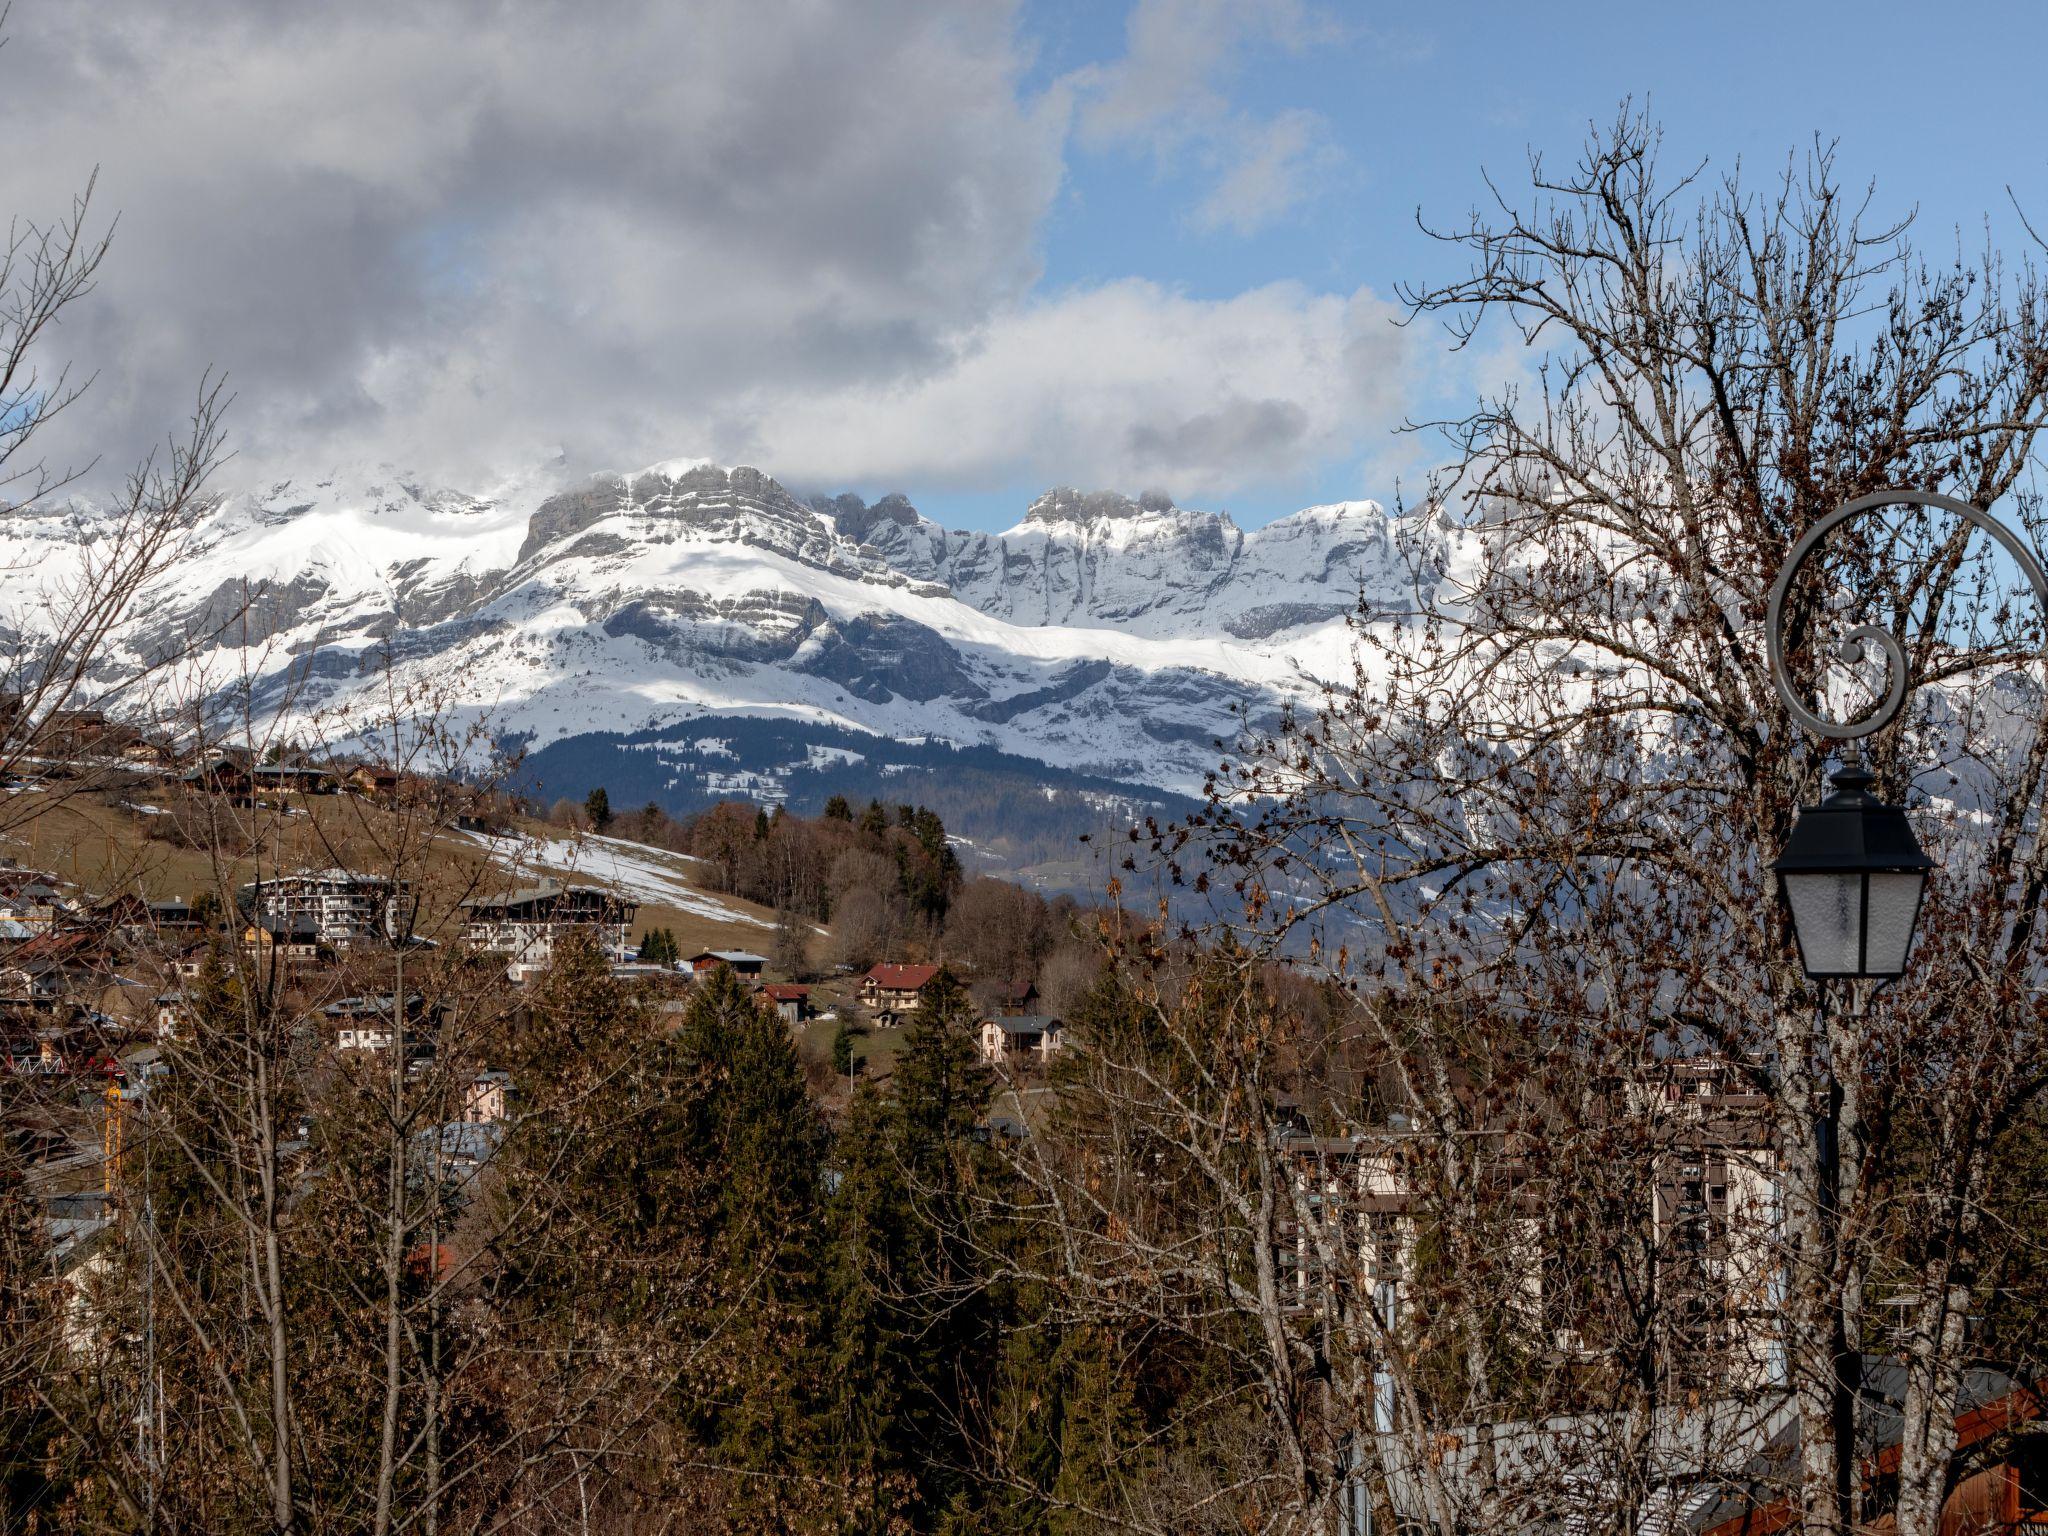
(891, 991)
(790, 1001)
(1018, 1039)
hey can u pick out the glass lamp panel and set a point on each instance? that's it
(1827, 912)
(1894, 905)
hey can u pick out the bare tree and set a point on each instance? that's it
(1552, 785)
(85, 573)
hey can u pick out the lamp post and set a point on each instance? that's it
(1852, 872)
(1852, 875)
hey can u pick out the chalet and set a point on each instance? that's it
(55, 962)
(291, 779)
(891, 991)
(1013, 1039)
(336, 906)
(219, 776)
(375, 781)
(188, 959)
(740, 962)
(172, 1016)
(78, 732)
(369, 1022)
(487, 1098)
(457, 1151)
(173, 915)
(790, 1001)
(1016, 996)
(296, 943)
(138, 920)
(146, 753)
(32, 897)
(524, 925)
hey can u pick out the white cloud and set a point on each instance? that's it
(451, 237)
(1125, 384)
(1275, 168)
(1167, 96)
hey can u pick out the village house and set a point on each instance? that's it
(642, 973)
(139, 921)
(372, 780)
(172, 1016)
(1015, 1039)
(487, 1098)
(891, 991)
(291, 779)
(368, 1023)
(1710, 1206)
(524, 925)
(82, 732)
(791, 1002)
(1016, 996)
(32, 897)
(742, 963)
(337, 907)
(266, 946)
(56, 962)
(219, 776)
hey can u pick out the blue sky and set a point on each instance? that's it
(966, 249)
(1940, 105)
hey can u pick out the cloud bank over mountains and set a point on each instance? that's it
(454, 237)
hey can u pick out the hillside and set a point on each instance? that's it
(127, 842)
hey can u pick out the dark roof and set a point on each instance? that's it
(370, 1005)
(1026, 1023)
(536, 895)
(785, 992)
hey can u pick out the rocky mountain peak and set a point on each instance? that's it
(685, 496)
(1064, 505)
(859, 520)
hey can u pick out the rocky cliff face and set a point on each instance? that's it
(1145, 566)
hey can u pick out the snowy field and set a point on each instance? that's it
(633, 869)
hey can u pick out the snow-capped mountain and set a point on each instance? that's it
(691, 630)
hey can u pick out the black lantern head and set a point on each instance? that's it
(1853, 873)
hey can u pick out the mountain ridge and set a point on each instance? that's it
(1107, 638)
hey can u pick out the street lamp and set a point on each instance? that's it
(1853, 872)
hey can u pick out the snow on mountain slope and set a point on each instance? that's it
(1149, 567)
(1101, 636)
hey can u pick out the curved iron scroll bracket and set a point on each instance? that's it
(1897, 681)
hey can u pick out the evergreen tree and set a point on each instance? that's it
(881, 1419)
(659, 947)
(874, 821)
(595, 1290)
(30, 1342)
(752, 1121)
(942, 1092)
(598, 807)
(836, 809)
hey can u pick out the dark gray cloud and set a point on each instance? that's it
(455, 236)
